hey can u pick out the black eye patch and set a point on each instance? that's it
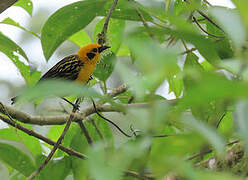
(94, 50)
(90, 55)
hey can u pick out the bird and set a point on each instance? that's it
(78, 67)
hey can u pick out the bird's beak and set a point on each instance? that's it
(102, 48)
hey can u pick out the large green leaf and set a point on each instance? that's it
(241, 121)
(79, 143)
(17, 159)
(206, 132)
(30, 142)
(242, 8)
(231, 23)
(81, 38)
(25, 4)
(67, 21)
(9, 47)
(10, 21)
(56, 88)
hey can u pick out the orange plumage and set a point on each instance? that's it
(77, 67)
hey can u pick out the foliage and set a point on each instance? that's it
(162, 41)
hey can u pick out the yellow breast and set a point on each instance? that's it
(85, 72)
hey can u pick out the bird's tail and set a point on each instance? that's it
(13, 100)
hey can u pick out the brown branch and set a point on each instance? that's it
(121, 89)
(102, 35)
(5, 4)
(144, 22)
(188, 51)
(43, 138)
(85, 132)
(55, 147)
(61, 119)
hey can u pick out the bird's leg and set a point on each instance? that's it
(76, 106)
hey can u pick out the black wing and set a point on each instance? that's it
(66, 69)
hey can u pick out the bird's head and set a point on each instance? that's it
(91, 53)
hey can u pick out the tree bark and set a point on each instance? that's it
(5, 4)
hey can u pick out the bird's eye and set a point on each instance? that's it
(90, 55)
(94, 50)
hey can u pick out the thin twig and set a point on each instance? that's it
(207, 18)
(208, 3)
(43, 138)
(218, 124)
(144, 22)
(209, 151)
(102, 35)
(162, 135)
(210, 34)
(210, 20)
(55, 147)
(94, 105)
(188, 51)
(85, 132)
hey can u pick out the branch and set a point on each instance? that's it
(43, 138)
(5, 4)
(55, 147)
(61, 119)
(102, 35)
(144, 22)
(85, 131)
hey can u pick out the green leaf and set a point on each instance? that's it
(226, 125)
(98, 166)
(79, 143)
(51, 88)
(231, 22)
(31, 78)
(115, 32)
(9, 47)
(81, 38)
(175, 83)
(56, 130)
(55, 169)
(30, 142)
(242, 8)
(25, 4)
(67, 21)
(206, 132)
(10, 21)
(105, 67)
(207, 83)
(240, 120)
(17, 159)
